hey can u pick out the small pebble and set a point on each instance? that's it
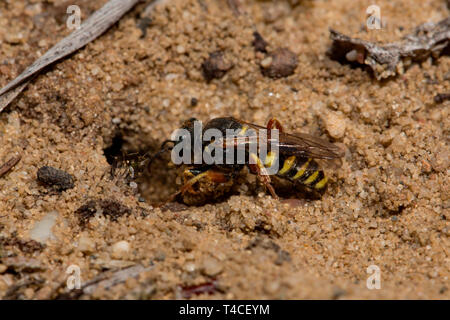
(180, 49)
(272, 287)
(120, 249)
(216, 66)
(335, 124)
(265, 63)
(14, 38)
(190, 267)
(171, 76)
(211, 267)
(42, 43)
(2, 268)
(373, 225)
(117, 86)
(42, 230)
(86, 244)
(282, 64)
(116, 120)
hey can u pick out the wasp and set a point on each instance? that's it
(297, 156)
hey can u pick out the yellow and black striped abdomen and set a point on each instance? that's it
(305, 171)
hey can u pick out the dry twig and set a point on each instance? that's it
(9, 165)
(390, 59)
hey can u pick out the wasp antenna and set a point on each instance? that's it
(162, 149)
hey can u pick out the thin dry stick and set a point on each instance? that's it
(10, 95)
(9, 165)
(92, 28)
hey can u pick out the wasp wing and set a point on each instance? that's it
(303, 144)
(300, 144)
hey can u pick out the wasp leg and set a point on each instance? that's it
(262, 175)
(274, 124)
(187, 186)
(212, 175)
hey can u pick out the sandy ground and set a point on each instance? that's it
(388, 205)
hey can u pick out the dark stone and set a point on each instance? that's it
(56, 178)
(284, 63)
(215, 66)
